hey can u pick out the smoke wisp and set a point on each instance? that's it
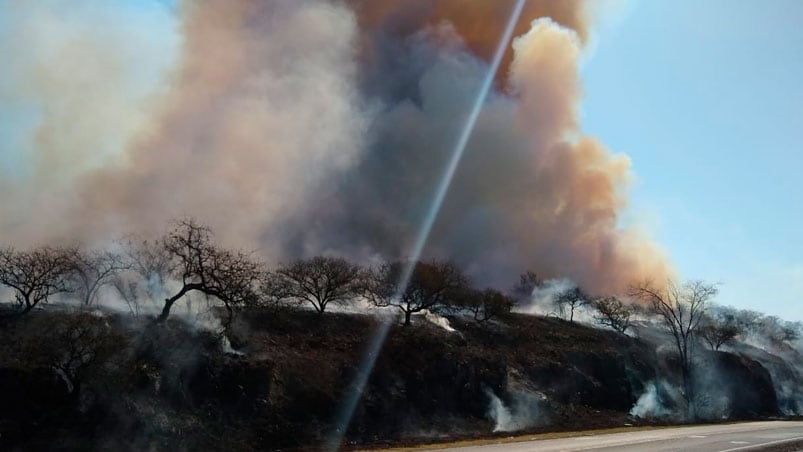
(654, 402)
(524, 412)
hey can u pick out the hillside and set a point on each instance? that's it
(172, 386)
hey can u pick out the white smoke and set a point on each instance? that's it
(652, 402)
(525, 412)
(542, 300)
(438, 320)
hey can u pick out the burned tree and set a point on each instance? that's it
(613, 313)
(75, 347)
(319, 281)
(36, 275)
(523, 290)
(95, 269)
(271, 292)
(199, 265)
(151, 261)
(148, 266)
(485, 304)
(777, 332)
(681, 308)
(431, 285)
(570, 300)
(718, 330)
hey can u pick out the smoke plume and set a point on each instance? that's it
(658, 401)
(315, 126)
(525, 412)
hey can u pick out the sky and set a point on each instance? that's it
(706, 99)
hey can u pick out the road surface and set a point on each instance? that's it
(754, 436)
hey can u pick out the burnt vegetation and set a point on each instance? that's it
(415, 287)
(36, 275)
(179, 342)
(319, 281)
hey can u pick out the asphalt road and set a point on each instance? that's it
(752, 436)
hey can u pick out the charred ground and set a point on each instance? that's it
(170, 385)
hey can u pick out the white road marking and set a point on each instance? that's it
(697, 436)
(771, 443)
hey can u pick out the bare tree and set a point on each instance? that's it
(94, 270)
(130, 292)
(682, 308)
(718, 330)
(201, 266)
(778, 332)
(148, 261)
(272, 291)
(523, 290)
(148, 266)
(431, 285)
(36, 275)
(485, 304)
(570, 300)
(613, 313)
(74, 346)
(320, 281)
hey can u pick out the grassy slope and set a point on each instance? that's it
(173, 387)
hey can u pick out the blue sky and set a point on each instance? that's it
(706, 99)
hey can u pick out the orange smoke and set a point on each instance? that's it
(580, 187)
(479, 23)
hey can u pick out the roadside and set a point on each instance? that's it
(772, 436)
(786, 446)
(515, 439)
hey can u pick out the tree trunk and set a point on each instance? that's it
(229, 319)
(407, 315)
(90, 293)
(28, 306)
(165, 310)
(691, 411)
(169, 301)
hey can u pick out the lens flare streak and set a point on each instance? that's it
(375, 346)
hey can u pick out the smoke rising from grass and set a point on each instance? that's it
(652, 403)
(543, 299)
(524, 412)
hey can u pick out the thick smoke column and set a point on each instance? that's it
(531, 192)
(263, 105)
(313, 126)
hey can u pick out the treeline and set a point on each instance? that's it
(188, 260)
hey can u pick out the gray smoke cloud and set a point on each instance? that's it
(263, 104)
(279, 129)
(531, 191)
